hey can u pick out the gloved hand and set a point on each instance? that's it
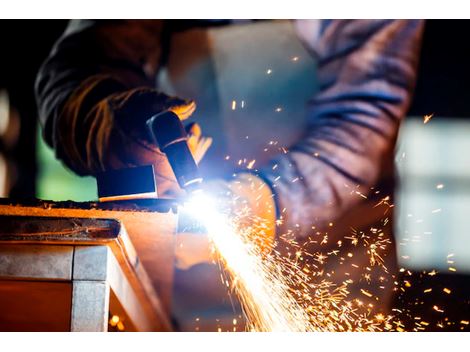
(246, 197)
(130, 139)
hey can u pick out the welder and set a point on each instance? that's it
(303, 116)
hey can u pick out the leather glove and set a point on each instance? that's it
(130, 142)
(246, 197)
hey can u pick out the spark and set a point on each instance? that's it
(234, 104)
(114, 320)
(361, 195)
(375, 247)
(267, 301)
(380, 317)
(279, 292)
(427, 118)
(251, 164)
(440, 186)
(269, 71)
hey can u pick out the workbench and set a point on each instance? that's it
(86, 266)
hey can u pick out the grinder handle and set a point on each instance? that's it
(169, 133)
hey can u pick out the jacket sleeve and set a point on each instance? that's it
(366, 71)
(86, 76)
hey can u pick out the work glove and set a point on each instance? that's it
(247, 199)
(131, 140)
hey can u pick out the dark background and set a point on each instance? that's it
(442, 87)
(24, 46)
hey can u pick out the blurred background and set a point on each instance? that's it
(433, 158)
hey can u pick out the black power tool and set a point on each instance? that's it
(139, 182)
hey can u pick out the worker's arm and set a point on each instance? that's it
(366, 73)
(96, 91)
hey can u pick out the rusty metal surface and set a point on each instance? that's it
(136, 205)
(34, 228)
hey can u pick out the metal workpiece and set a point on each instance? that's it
(154, 205)
(127, 183)
(47, 229)
(33, 262)
(111, 256)
(90, 306)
